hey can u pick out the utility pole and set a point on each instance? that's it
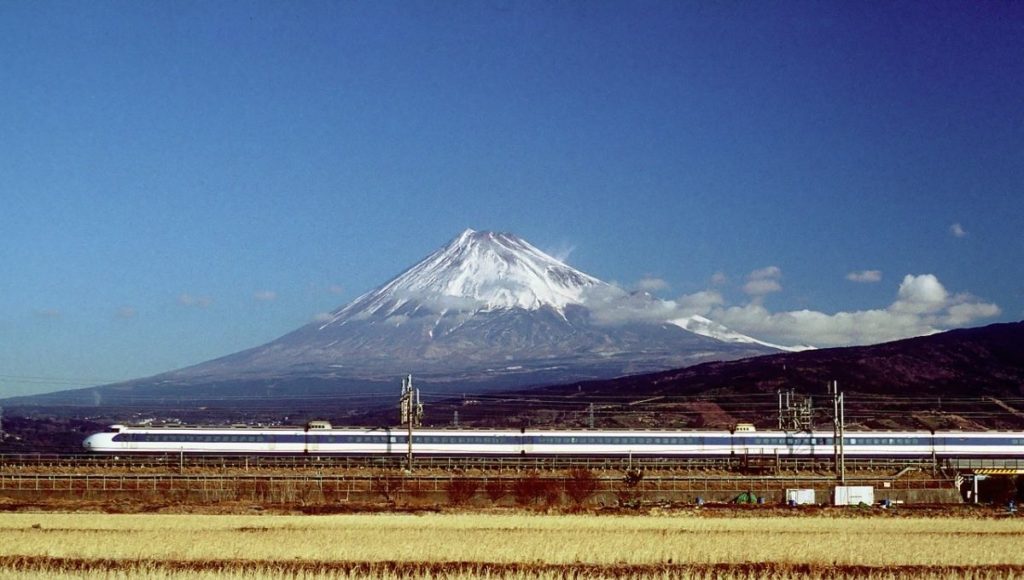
(838, 430)
(842, 437)
(780, 410)
(2, 437)
(411, 411)
(590, 417)
(455, 418)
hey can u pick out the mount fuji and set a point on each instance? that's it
(487, 311)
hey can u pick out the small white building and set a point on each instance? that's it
(800, 497)
(854, 495)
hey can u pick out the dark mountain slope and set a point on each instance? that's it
(968, 378)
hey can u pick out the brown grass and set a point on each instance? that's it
(505, 546)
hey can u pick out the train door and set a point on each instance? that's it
(525, 443)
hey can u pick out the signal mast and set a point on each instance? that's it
(411, 412)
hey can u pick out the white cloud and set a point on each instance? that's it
(186, 299)
(264, 295)
(719, 279)
(922, 306)
(922, 294)
(957, 230)
(968, 312)
(761, 287)
(699, 303)
(865, 276)
(323, 317)
(763, 281)
(611, 305)
(650, 284)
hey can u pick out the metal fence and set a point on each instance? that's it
(520, 463)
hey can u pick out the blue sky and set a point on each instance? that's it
(181, 180)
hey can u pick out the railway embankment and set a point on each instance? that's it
(341, 489)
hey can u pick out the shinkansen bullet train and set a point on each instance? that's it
(320, 438)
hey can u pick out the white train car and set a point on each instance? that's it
(320, 438)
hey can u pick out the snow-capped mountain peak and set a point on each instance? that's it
(478, 271)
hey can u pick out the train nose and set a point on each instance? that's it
(89, 442)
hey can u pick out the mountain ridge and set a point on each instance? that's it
(970, 378)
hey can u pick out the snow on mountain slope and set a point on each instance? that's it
(477, 271)
(705, 327)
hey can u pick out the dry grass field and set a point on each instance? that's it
(461, 546)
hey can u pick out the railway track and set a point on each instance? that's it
(738, 464)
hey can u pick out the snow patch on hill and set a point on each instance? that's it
(706, 327)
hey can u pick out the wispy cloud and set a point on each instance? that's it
(561, 252)
(264, 295)
(612, 305)
(336, 289)
(126, 313)
(865, 276)
(719, 279)
(650, 284)
(957, 230)
(192, 301)
(48, 313)
(763, 281)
